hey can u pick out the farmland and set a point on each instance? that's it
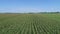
(29, 23)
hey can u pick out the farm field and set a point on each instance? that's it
(29, 23)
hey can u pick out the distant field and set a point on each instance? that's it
(29, 23)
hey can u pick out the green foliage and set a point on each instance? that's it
(29, 23)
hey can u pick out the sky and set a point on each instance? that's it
(25, 6)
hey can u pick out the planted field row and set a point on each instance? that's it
(29, 24)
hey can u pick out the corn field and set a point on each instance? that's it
(29, 23)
